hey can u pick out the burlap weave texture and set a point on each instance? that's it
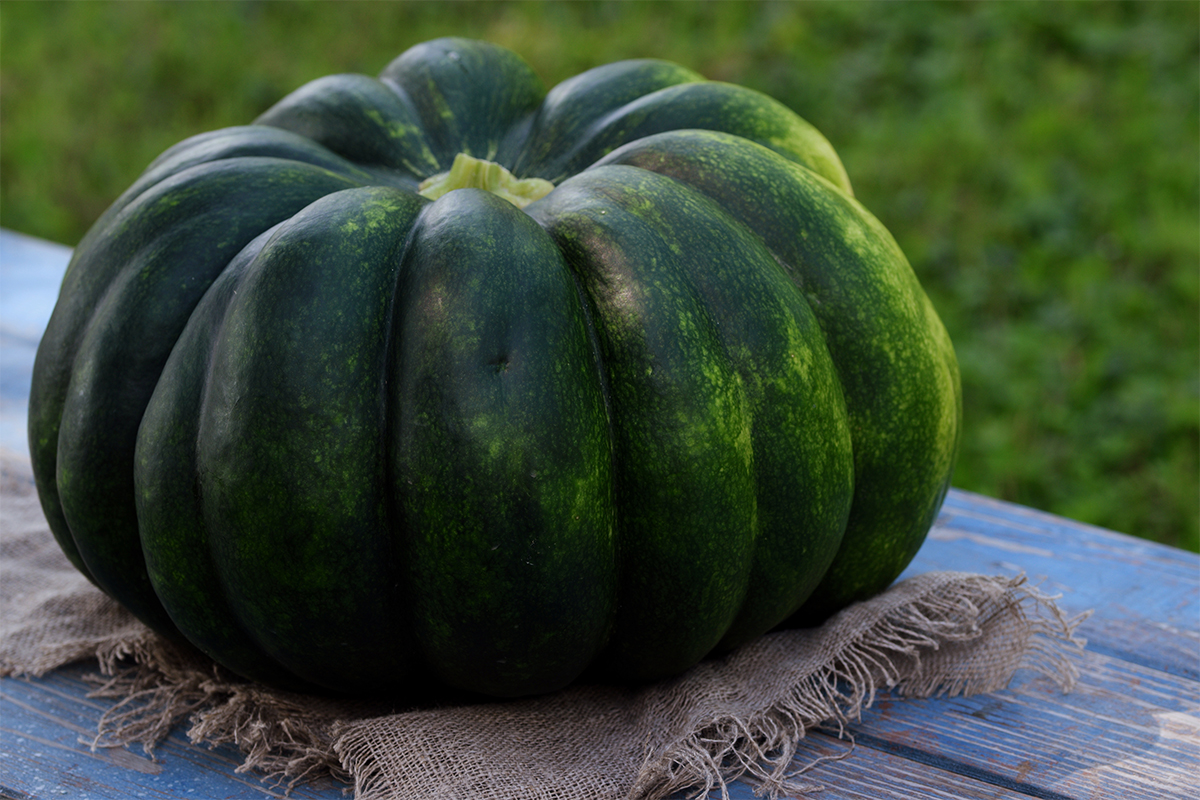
(743, 716)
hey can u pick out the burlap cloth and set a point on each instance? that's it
(743, 716)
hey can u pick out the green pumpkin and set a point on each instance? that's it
(442, 379)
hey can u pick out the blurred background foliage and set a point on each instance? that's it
(1038, 162)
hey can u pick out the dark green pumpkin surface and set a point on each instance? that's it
(339, 436)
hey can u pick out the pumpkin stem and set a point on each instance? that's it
(474, 173)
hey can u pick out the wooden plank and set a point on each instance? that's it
(1131, 727)
(869, 773)
(30, 273)
(853, 771)
(1145, 596)
(47, 725)
(1126, 732)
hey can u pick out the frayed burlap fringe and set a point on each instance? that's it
(286, 737)
(744, 716)
(939, 633)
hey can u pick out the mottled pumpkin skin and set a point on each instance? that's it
(342, 437)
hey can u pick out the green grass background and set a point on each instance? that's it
(1038, 162)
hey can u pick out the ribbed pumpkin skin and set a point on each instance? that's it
(341, 437)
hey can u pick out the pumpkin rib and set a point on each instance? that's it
(499, 452)
(304, 358)
(572, 107)
(705, 105)
(680, 424)
(174, 536)
(111, 339)
(468, 95)
(359, 119)
(867, 295)
(245, 141)
(770, 336)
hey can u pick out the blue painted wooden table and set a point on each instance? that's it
(1130, 729)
